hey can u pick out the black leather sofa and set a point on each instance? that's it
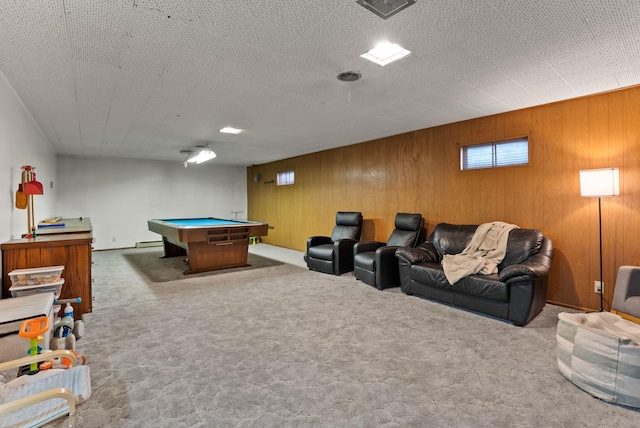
(517, 293)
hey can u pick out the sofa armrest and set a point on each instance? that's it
(343, 244)
(534, 268)
(312, 241)
(416, 255)
(343, 255)
(386, 255)
(387, 271)
(366, 246)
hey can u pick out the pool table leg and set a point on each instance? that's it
(171, 249)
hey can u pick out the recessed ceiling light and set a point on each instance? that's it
(230, 130)
(385, 53)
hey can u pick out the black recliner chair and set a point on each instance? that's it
(375, 263)
(334, 254)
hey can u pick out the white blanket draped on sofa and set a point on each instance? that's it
(483, 254)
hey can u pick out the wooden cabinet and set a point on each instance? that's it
(72, 250)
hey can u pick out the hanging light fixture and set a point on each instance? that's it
(188, 153)
(204, 155)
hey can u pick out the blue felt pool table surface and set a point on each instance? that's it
(209, 221)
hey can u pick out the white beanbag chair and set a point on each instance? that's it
(600, 353)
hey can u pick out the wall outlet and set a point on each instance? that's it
(597, 286)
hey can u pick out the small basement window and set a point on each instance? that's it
(284, 178)
(492, 155)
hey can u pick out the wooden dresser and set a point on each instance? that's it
(69, 246)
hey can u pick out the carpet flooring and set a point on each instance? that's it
(276, 345)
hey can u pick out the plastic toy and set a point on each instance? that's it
(33, 329)
(66, 325)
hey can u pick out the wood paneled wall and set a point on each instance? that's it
(419, 172)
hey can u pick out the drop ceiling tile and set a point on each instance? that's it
(500, 107)
(557, 94)
(232, 22)
(612, 19)
(516, 103)
(543, 24)
(183, 10)
(149, 75)
(628, 78)
(598, 84)
(474, 98)
(285, 21)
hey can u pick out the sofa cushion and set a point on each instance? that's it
(485, 286)
(365, 260)
(429, 273)
(322, 252)
(522, 244)
(452, 238)
(402, 238)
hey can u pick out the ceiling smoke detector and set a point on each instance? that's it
(349, 76)
(385, 8)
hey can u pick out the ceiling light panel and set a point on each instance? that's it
(385, 53)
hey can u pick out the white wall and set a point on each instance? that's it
(22, 143)
(121, 195)
(118, 195)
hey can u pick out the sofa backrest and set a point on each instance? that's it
(522, 244)
(407, 230)
(453, 238)
(348, 225)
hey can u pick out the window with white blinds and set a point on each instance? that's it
(284, 178)
(492, 155)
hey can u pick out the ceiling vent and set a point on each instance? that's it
(349, 76)
(385, 8)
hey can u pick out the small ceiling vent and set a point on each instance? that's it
(349, 76)
(385, 8)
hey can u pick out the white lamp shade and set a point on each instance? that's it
(600, 182)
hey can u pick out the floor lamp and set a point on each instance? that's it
(598, 183)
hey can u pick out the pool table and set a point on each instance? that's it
(209, 243)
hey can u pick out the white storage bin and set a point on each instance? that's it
(33, 276)
(28, 290)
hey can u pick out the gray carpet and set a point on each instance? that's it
(148, 265)
(282, 346)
